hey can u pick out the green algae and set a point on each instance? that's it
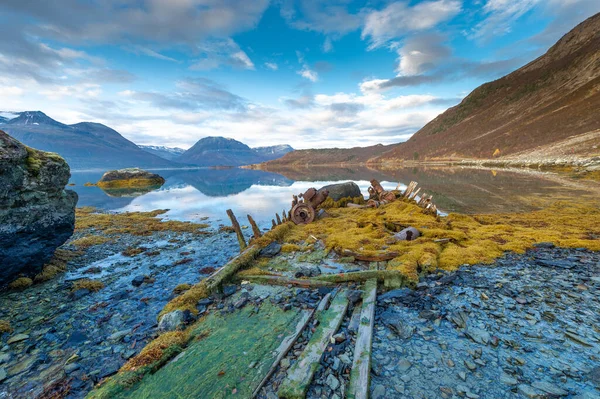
(227, 355)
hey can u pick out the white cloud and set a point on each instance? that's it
(327, 45)
(398, 19)
(421, 53)
(221, 52)
(309, 74)
(272, 66)
(500, 16)
(11, 91)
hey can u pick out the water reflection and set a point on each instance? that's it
(199, 193)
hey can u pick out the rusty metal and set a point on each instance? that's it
(305, 205)
(377, 193)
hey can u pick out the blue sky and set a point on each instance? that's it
(309, 73)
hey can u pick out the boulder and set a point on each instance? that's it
(37, 214)
(130, 178)
(342, 190)
(408, 234)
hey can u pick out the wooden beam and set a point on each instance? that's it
(255, 229)
(370, 258)
(284, 281)
(380, 275)
(299, 376)
(238, 230)
(278, 219)
(361, 365)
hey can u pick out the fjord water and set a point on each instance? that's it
(197, 194)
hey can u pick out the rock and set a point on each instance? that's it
(478, 335)
(508, 380)
(404, 365)
(549, 388)
(37, 214)
(229, 290)
(462, 375)
(395, 294)
(307, 270)
(378, 392)
(119, 335)
(138, 280)
(69, 368)
(593, 376)
(271, 250)
(17, 338)
(129, 182)
(408, 234)
(528, 391)
(332, 382)
(340, 337)
(354, 296)
(172, 321)
(342, 190)
(2, 374)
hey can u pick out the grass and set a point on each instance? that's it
(132, 251)
(87, 284)
(36, 159)
(131, 183)
(89, 184)
(134, 223)
(89, 241)
(20, 284)
(181, 288)
(56, 265)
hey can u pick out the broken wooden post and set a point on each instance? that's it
(361, 365)
(255, 229)
(300, 375)
(278, 219)
(274, 224)
(238, 230)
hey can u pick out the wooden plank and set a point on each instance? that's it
(285, 346)
(361, 365)
(238, 230)
(284, 281)
(296, 383)
(365, 275)
(255, 229)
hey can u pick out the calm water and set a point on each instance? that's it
(197, 194)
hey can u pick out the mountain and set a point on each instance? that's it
(84, 145)
(221, 151)
(544, 103)
(168, 153)
(328, 156)
(273, 152)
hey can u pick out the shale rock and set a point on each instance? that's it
(37, 214)
(342, 190)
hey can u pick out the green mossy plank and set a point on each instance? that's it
(299, 376)
(361, 366)
(218, 365)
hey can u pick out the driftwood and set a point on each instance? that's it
(238, 230)
(255, 229)
(369, 258)
(301, 373)
(278, 219)
(284, 281)
(380, 275)
(361, 365)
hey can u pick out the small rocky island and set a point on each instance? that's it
(37, 214)
(129, 182)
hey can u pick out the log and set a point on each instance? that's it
(299, 376)
(238, 230)
(380, 275)
(255, 229)
(361, 365)
(369, 258)
(284, 281)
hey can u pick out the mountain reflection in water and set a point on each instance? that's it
(194, 194)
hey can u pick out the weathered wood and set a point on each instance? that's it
(238, 230)
(352, 205)
(278, 219)
(284, 281)
(380, 275)
(285, 347)
(255, 230)
(361, 365)
(284, 216)
(300, 375)
(370, 258)
(274, 224)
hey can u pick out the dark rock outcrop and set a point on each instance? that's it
(130, 182)
(343, 190)
(37, 214)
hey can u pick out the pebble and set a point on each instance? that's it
(17, 338)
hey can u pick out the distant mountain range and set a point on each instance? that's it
(220, 151)
(168, 153)
(88, 145)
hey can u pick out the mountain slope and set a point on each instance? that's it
(547, 101)
(83, 145)
(329, 156)
(273, 152)
(168, 153)
(219, 151)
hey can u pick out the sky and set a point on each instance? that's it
(312, 74)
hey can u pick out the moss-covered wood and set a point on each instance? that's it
(285, 281)
(361, 365)
(300, 375)
(380, 275)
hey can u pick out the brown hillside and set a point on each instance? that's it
(552, 98)
(329, 156)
